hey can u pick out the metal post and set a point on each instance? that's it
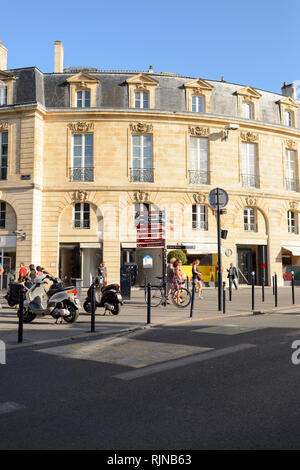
(193, 298)
(219, 254)
(148, 303)
(187, 283)
(293, 287)
(224, 297)
(230, 288)
(276, 289)
(252, 283)
(21, 315)
(273, 284)
(93, 307)
(263, 289)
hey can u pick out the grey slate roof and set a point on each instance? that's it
(52, 91)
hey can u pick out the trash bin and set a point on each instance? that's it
(128, 273)
(77, 283)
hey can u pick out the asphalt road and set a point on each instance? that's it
(218, 384)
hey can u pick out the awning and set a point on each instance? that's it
(203, 249)
(8, 241)
(91, 245)
(294, 249)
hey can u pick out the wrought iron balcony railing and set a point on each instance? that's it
(199, 225)
(199, 177)
(143, 175)
(292, 184)
(250, 181)
(3, 172)
(82, 173)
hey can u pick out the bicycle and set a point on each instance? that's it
(180, 296)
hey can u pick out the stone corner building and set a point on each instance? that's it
(83, 150)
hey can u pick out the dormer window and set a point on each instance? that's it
(247, 110)
(83, 99)
(141, 99)
(289, 118)
(197, 104)
(3, 95)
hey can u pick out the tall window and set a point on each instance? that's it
(81, 215)
(142, 158)
(199, 217)
(247, 110)
(288, 118)
(83, 99)
(141, 99)
(250, 219)
(249, 165)
(291, 182)
(3, 155)
(292, 225)
(3, 95)
(199, 161)
(197, 103)
(83, 157)
(2, 214)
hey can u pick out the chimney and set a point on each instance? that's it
(3, 57)
(58, 57)
(289, 90)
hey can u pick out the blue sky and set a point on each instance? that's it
(250, 43)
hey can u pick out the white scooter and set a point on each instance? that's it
(58, 301)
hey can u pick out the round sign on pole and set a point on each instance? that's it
(223, 198)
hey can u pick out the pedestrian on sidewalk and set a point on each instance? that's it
(170, 275)
(22, 273)
(1, 269)
(102, 274)
(39, 270)
(32, 273)
(197, 277)
(233, 275)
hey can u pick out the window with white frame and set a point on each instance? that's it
(289, 118)
(247, 110)
(292, 222)
(81, 217)
(3, 95)
(83, 157)
(197, 103)
(142, 158)
(2, 214)
(199, 161)
(249, 165)
(141, 99)
(83, 99)
(3, 155)
(291, 182)
(199, 217)
(250, 224)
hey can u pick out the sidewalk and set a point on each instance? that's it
(133, 316)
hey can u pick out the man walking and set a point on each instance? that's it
(233, 275)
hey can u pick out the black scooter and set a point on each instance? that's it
(13, 292)
(110, 298)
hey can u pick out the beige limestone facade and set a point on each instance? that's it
(254, 159)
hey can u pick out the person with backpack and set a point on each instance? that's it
(197, 277)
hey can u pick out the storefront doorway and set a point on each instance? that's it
(250, 259)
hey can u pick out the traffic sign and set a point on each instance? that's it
(223, 198)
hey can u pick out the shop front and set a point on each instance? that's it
(252, 258)
(79, 261)
(7, 259)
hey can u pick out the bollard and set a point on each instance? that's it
(293, 287)
(187, 283)
(93, 308)
(252, 284)
(263, 290)
(148, 303)
(193, 298)
(224, 297)
(273, 284)
(21, 314)
(230, 289)
(275, 289)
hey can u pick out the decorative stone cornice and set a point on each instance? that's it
(249, 137)
(141, 128)
(199, 198)
(293, 205)
(141, 196)
(291, 144)
(79, 195)
(3, 125)
(199, 131)
(81, 126)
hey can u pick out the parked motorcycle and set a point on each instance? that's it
(110, 298)
(58, 301)
(13, 292)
